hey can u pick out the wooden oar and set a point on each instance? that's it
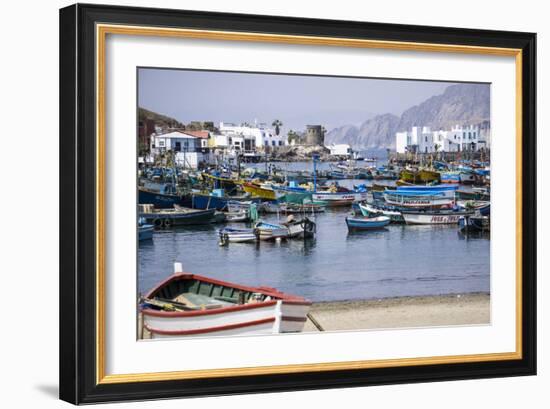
(315, 322)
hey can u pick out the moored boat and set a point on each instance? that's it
(442, 217)
(372, 210)
(179, 216)
(269, 231)
(367, 223)
(188, 305)
(418, 200)
(474, 224)
(302, 228)
(231, 235)
(145, 231)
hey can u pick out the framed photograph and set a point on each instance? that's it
(257, 203)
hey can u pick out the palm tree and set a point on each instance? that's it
(277, 124)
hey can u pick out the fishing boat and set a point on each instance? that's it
(474, 224)
(158, 199)
(291, 208)
(145, 231)
(421, 176)
(302, 228)
(450, 177)
(441, 217)
(372, 210)
(239, 216)
(269, 231)
(482, 206)
(336, 195)
(474, 194)
(189, 305)
(418, 200)
(231, 235)
(178, 216)
(261, 192)
(211, 200)
(367, 223)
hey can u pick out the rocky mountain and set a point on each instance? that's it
(459, 104)
(160, 120)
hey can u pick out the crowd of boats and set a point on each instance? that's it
(186, 305)
(168, 197)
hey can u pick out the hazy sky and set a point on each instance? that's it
(295, 100)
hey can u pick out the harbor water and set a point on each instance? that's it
(400, 260)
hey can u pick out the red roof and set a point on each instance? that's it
(198, 134)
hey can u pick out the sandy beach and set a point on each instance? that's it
(401, 312)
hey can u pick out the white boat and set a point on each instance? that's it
(188, 305)
(230, 235)
(395, 199)
(433, 217)
(333, 199)
(303, 228)
(269, 231)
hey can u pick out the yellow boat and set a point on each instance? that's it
(421, 176)
(257, 191)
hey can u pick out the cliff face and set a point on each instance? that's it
(459, 104)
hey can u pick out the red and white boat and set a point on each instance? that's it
(190, 305)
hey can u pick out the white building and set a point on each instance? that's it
(423, 140)
(247, 138)
(189, 149)
(342, 149)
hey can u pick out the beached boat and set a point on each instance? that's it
(302, 228)
(367, 223)
(231, 235)
(188, 305)
(178, 216)
(269, 231)
(372, 210)
(449, 217)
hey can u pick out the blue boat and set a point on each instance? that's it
(367, 223)
(145, 231)
(158, 199)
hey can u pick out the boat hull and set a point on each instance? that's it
(433, 218)
(277, 313)
(339, 199)
(365, 223)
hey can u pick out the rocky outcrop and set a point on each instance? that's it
(459, 104)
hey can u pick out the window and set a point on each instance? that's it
(161, 143)
(455, 137)
(425, 139)
(186, 144)
(273, 143)
(266, 143)
(177, 147)
(280, 143)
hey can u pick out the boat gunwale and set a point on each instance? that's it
(289, 299)
(206, 330)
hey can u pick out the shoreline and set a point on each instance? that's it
(393, 312)
(401, 312)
